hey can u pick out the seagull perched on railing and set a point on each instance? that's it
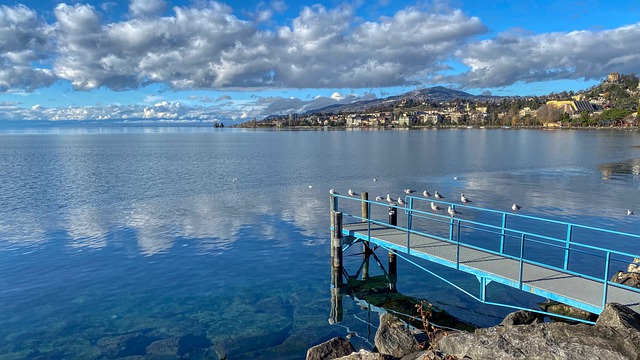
(400, 201)
(434, 207)
(453, 212)
(464, 199)
(409, 191)
(437, 195)
(515, 207)
(333, 192)
(426, 193)
(352, 193)
(379, 198)
(389, 199)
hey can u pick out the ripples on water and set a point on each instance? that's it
(127, 241)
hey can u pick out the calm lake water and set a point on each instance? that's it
(201, 243)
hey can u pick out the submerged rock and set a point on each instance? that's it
(521, 317)
(567, 310)
(393, 338)
(332, 349)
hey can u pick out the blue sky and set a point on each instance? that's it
(238, 60)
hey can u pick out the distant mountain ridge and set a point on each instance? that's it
(435, 94)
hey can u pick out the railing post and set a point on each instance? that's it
(393, 216)
(333, 207)
(458, 247)
(409, 220)
(502, 232)
(521, 262)
(606, 279)
(365, 207)
(566, 247)
(393, 267)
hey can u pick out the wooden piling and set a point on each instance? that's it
(393, 258)
(366, 249)
(336, 250)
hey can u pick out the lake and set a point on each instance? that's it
(203, 243)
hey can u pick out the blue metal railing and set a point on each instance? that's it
(462, 231)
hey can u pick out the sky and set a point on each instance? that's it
(233, 61)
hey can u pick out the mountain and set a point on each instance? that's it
(435, 94)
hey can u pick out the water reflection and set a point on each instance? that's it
(628, 167)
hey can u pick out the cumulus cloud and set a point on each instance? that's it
(24, 38)
(517, 57)
(144, 8)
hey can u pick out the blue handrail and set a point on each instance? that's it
(568, 243)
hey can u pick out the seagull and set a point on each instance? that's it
(409, 191)
(515, 207)
(310, 186)
(389, 199)
(379, 198)
(437, 195)
(434, 207)
(453, 211)
(630, 212)
(464, 199)
(374, 179)
(352, 193)
(455, 178)
(400, 201)
(426, 193)
(333, 192)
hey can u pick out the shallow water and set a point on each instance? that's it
(198, 242)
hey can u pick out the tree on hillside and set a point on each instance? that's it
(548, 114)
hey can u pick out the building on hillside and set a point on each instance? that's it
(572, 107)
(613, 78)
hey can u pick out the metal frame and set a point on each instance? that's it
(568, 244)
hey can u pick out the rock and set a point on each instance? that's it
(332, 349)
(618, 316)
(364, 355)
(566, 310)
(627, 278)
(545, 341)
(521, 317)
(164, 347)
(124, 345)
(634, 267)
(393, 338)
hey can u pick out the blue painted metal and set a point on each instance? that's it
(566, 243)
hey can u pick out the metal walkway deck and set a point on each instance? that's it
(493, 251)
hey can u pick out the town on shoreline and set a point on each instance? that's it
(611, 104)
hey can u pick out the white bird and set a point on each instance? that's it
(352, 193)
(437, 195)
(333, 192)
(374, 179)
(515, 207)
(310, 186)
(455, 178)
(464, 199)
(379, 198)
(426, 193)
(630, 212)
(434, 207)
(400, 201)
(409, 191)
(389, 199)
(234, 180)
(453, 211)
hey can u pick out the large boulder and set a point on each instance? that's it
(521, 317)
(331, 349)
(393, 338)
(545, 341)
(618, 316)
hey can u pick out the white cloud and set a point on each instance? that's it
(517, 57)
(144, 8)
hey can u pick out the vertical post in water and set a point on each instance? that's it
(364, 196)
(567, 247)
(336, 250)
(393, 258)
(333, 207)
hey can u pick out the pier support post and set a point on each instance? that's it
(336, 267)
(393, 258)
(366, 249)
(336, 250)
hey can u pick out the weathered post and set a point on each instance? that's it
(336, 250)
(366, 249)
(393, 267)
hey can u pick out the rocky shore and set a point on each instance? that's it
(521, 335)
